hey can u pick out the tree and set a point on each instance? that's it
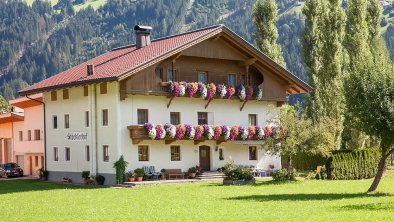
(322, 43)
(4, 106)
(266, 34)
(298, 134)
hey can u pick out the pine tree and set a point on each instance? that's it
(266, 33)
(4, 106)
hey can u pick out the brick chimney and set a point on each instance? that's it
(143, 35)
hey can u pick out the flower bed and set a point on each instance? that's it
(210, 91)
(207, 132)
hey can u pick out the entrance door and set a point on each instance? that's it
(20, 160)
(205, 158)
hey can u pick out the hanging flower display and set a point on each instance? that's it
(233, 133)
(199, 130)
(179, 132)
(170, 130)
(241, 93)
(221, 90)
(226, 132)
(192, 88)
(257, 93)
(259, 133)
(217, 131)
(160, 133)
(251, 132)
(243, 132)
(210, 133)
(182, 88)
(211, 91)
(230, 92)
(151, 130)
(249, 93)
(267, 132)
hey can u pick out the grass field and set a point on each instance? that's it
(28, 200)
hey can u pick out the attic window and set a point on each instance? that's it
(53, 96)
(103, 88)
(65, 94)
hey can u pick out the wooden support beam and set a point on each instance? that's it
(169, 102)
(209, 101)
(167, 142)
(250, 61)
(218, 142)
(243, 104)
(176, 57)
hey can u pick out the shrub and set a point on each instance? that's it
(130, 174)
(100, 179)
(238, 174)
(120, 167)
(85, 174)
(192, 170)
(139, 172)
(304, 162)
(353, 164)
(282, 175)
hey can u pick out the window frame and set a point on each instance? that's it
(235, 79)
(87, 119)
(105, 153)
(173, 74)
(198, 118)
(104, 118)
(159, 73)
(53, 122)
(20, 135)
(56, 154)
(37, 134)
(147, 155)
(87, 153)
(138, 116)
(36, 161)
(255, 119)
(66, 94)
(85, 90)
(255, 153)
(54, 95)
(178, 157)
(221, 154)
(205, 73)
(67, 154)
(243, 80)
(66, 121)
(28, 135)
(103, 88)
(177, 115)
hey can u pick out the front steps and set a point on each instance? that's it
(210, 175)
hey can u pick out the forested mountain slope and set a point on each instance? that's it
(38, 40)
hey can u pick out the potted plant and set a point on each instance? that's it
(271, 166)
(192, 172)
(131, 176)
(86, 177)
(100, 179)
(139, 173)
(43, 174)
(163, 174)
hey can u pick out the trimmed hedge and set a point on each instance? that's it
(305, 162)
(353, 164)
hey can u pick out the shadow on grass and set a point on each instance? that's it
(305, 197)
(16, 186)
(265, 182)
(370, 206)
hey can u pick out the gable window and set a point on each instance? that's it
(252, 120)
(202, 118)
(232, 79)
(175, 153)
(103, 88)
(243, 80)
(221, 154)
(87, 153)
(54, 122)
(55, 154)
(87, 118)
(143, 153)
(202, 77)
(159, 73)
(105, 153)
(85, 91)
(142, 115)
(65, 94)
(68, 154)
(105, 117)
(53, 96)
(37, 134)
(66, 121)
(175, 118)
(20, 135)
(171, 75)
(252, 153)
(29, 135)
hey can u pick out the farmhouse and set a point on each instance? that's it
(174, 102)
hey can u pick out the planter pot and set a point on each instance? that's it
(139, 179)
(192, 175)
(131, 179)
(238, 182)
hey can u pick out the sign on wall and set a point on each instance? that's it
(77, 136)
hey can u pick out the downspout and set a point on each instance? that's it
(93, 110)
(45, 131)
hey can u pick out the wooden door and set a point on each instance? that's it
(205, 158)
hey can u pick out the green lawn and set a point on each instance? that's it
(28, 200)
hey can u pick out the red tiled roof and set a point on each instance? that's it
(112, 64)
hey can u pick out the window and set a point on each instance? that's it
(105, 117)
(142, 115)
(103, 88)
(252, 120)
(175, 118)
(243, 80)
(105, 153)
(53, 96)
(171, 75)
(159, 73)
(66, 121)
(202, 118)
(175, 153)
(20, 135)
(87, 118)
(54, 122)
(221, 155)
(232, 79)
(87, 153)
(36, 161)
(143, 153)
(85, 91)
(29, 135)
(65, 94)
(37, 134)
(68, 154)
(252, 153)
(202, 77)
(55, 154)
